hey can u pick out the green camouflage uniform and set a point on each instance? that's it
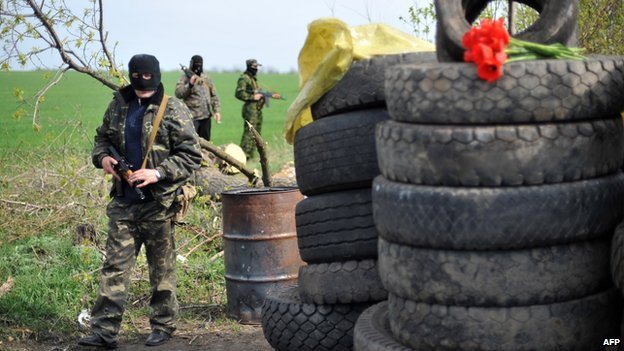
(175, 154)
(201, 99)
(246, 87)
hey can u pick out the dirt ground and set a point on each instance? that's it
(245, 338)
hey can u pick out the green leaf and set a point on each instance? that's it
(21, 58)
(19, 113)
(19, 94)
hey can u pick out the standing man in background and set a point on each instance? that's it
(200, 95)
(248, 91)
(145, 218)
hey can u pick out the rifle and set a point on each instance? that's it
(123, 169)
(266, 97)
(186, 71)
(190, 73)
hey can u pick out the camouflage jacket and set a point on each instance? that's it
(246, 87)
(200, 98)
(175, 153)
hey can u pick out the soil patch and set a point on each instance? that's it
(244, 338)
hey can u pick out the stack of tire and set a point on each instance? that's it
(496, 207)
(335, 164)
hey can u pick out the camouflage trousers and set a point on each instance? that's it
(254, 116)
(130, 227)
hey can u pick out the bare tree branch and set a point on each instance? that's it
(103, 36)
(78, 36)
(264, 162)
(253, 178)
(57, 77)
(65, 56)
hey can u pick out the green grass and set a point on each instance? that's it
(49, 281)
(48, 188)
(80, 100)
(45, 194)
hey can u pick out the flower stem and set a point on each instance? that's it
(524, 57)
(520, 49)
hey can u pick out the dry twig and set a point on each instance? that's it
(264, 161)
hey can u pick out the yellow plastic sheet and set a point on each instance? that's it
(327, 54)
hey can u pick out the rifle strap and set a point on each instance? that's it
(155, 125)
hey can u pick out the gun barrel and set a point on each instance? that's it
(114, 153)
(186, 71)
(139, 192)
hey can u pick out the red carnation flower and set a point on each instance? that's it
(489, 46)
(490, 70)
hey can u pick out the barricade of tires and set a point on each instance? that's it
(496, 207)
(335, 164)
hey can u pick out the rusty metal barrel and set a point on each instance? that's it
(261, 251)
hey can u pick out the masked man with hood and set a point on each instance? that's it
(200, 95)
(135, 221)
(248, 91)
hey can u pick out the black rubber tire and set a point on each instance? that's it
(362, 87)
(341, 282)
(336, 226)
(528, 91)
(290, 325)
(372, 331)
(338, 152)
(617, 257)
(497, 218)
(576, 325)
(503, 155)
(556, 24)
(526, 277)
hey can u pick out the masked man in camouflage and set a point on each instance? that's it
(133, 221)
(248, 91)
(200, 95)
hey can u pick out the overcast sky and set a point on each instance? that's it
(227, 32)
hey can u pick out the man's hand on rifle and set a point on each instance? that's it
(276, 96)
(257, 96)
(144, 177)
(193, 79)
(108, 164)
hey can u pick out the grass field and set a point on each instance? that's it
(78, 103)
(49, 190)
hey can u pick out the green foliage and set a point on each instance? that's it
(19, 94)
(51, 281)
(422, 20)
(603, 36)
(601, 26)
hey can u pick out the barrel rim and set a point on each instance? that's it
(259, 191)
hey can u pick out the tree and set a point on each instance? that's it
(601, 26)
(78, 38)
(601, 22)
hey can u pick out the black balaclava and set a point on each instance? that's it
(197, 64)
(252, 71)
(143, 63)
(252, 67)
